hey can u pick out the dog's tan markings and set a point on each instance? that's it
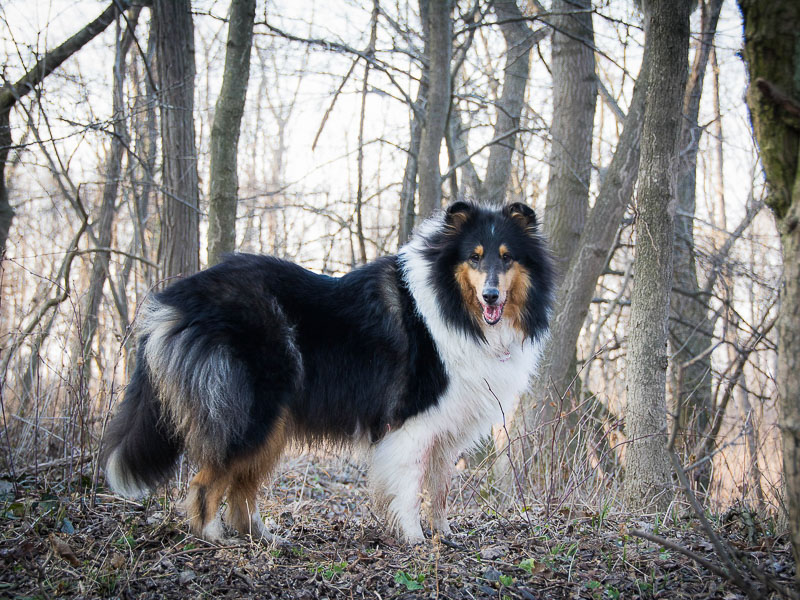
(517, 283)
(469, 281)
(457, 219)
(244, 476)
(503, 250)
(527, 223)
(248, 473)
(478, 250)
(205, 495)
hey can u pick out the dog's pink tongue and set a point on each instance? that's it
(492, 313)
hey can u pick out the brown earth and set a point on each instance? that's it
(60, 540)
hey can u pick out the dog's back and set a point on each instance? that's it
(414, 355)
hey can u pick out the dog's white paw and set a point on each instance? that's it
(412, 535)
(259, 531)
(442, 526)
(214, 532)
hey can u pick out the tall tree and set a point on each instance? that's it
(225, 131)
(580, 279)
(408, 187)
(691, 332)
(438, 27)
(647, 473)
(519, 39)
(772, 53)
(104, 225)
(178, 247)
(10, 94)
(574, 100)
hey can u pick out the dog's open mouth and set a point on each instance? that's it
(492, 313)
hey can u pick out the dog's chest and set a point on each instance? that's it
(484, 380)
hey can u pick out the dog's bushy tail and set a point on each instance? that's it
(139, 451)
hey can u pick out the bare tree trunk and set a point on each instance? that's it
(519, 40)
(10, 94)
(457, 146)
(409, 186)
(362, 248)
(753, 475)
(104, 226)
(751, 481)
(771, 50)
(690, 329)
(647, 468)
(145, 140)
(574, 100)
(225, 131)
(438, 27)
(178, 249)
(579, 283)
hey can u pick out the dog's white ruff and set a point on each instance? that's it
(485, 380)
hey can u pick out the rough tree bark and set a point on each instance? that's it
(577, 288)
(772, 53)
(519, 40)
(224, 186)
(647, 472)
(574, 100)
(690, 329)
(10, 94)
(438, 26)
(178, 246)
(408, 189)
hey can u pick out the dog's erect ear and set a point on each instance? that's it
(458, 213)
(524, 215)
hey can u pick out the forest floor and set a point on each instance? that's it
(57, 543)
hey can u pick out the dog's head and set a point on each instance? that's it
(492, 249)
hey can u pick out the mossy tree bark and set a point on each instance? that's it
(772, 53)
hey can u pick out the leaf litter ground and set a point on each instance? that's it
(57, 543)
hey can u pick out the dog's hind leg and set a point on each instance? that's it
(202, 502)
(247, 475)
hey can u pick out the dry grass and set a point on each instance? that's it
(64, 537)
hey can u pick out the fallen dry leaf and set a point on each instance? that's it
(117, 560)
(494, 552)
(62, 549)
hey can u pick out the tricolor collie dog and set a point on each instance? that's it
(413, 356)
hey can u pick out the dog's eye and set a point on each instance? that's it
(474, 258)
(507, 258)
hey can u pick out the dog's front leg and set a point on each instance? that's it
(398, 465)
(437, 484)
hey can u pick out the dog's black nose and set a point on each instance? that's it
(490, 295)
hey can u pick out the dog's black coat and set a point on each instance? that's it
(343, 358)
(343, 355)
